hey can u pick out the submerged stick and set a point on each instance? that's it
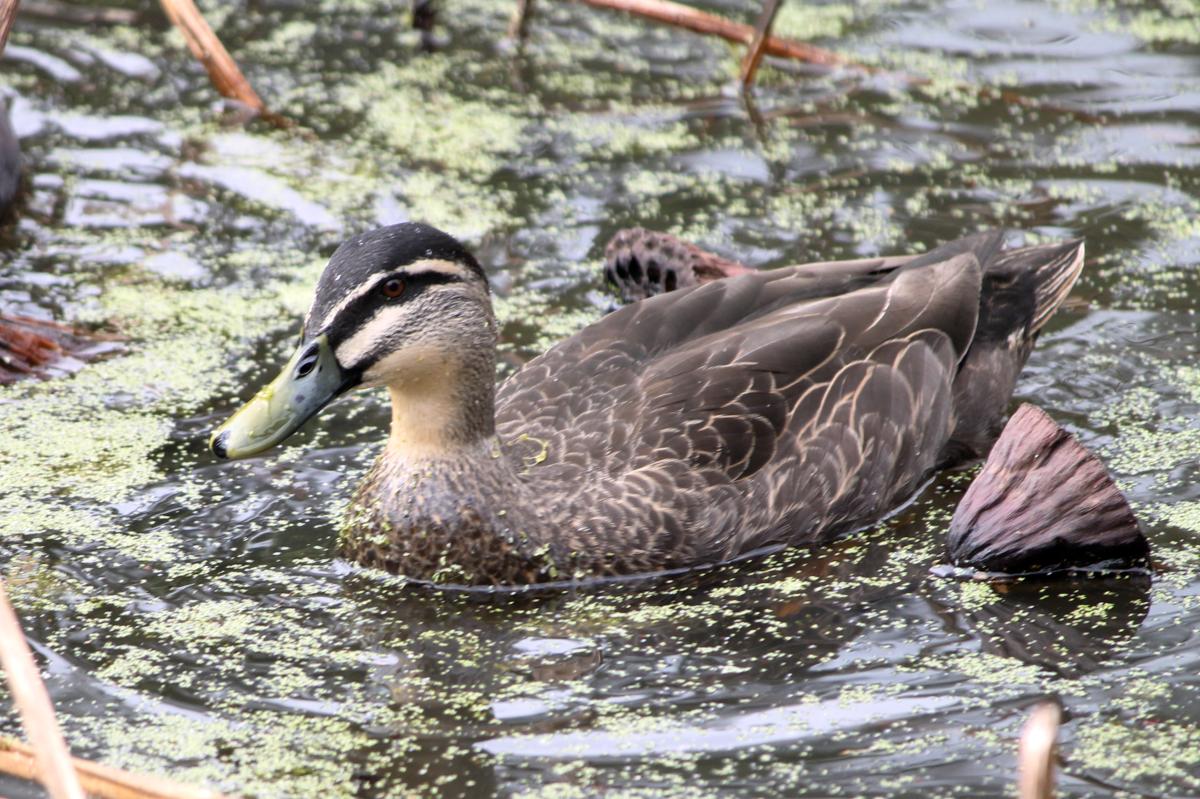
(8, 12)
(520, 19)
(1036, 751)
(105, 782)
(61, 11)
(692, 19)
(762, 32)
(51, 758)
(207, 48)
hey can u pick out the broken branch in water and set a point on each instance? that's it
(226, 77)
(103, 781)
(692, 19)
(520, 19)
(688, 18)
(51, 759)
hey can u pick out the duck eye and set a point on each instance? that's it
(393, 288)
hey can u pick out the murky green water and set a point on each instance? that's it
(191, 614)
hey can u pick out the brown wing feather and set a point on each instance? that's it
(774, 407)
(766, 408)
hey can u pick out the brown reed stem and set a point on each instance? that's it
(8, 13)
(1036, 752)
(758, 47)
(51, 758)
(222, 70)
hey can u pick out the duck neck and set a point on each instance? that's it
(443, 412)
(444, 502)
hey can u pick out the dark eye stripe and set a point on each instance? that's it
(364, 307)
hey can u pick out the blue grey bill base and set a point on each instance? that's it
(310, 381)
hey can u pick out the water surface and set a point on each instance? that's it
(192, 616)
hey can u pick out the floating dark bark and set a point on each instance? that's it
(1043, 503)
(10, 150)
(10, 162)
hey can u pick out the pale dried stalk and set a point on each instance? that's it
(52, 760)
(207, 48)
(702, 22)
(105, 782)
(520, 19)
(1036, 752)
(758, 47)
(8, 12)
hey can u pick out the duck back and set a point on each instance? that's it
(774, 407)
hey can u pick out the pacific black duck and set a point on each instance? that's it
(771, 408)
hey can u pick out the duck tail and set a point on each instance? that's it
(1021, 290)
(1053, 270)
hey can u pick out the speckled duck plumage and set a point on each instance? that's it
(770, 408)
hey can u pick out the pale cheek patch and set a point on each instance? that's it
(411, 368)
(353, 350)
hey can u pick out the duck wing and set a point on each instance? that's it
(1022, 288)
(765, 408)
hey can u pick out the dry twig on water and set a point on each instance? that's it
(692, 19)
(52, 760)
(688, 18)
(758, 47)
(208, 50)
(47, 759)
(103, 781)
(1036, 752)
(520, 19)
(8, 12)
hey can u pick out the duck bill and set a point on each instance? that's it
(310, 381)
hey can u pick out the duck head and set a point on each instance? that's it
(404, 306)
